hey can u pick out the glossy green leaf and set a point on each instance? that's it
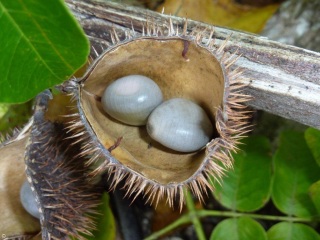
(247, 187)
(243, 228)
(312, 137)
(292, 231)
(41, 46)
(314, 192)
(295, 171)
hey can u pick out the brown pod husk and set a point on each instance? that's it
(56, 174)
(16, 222)
(184, 63)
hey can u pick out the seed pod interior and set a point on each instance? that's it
(184, 64)
(200, 79)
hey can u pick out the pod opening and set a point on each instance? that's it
(182, 69)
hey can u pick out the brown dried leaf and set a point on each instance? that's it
(224, 13)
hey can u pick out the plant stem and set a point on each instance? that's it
(182, 220)
(193, 214)
(213, 213)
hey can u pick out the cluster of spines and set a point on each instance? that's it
(231, 124)
(15, 134)
(66, 201)
(6, 138)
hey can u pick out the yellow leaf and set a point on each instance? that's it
(221, 12)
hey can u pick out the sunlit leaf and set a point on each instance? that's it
(243, 228)
(15, 116)
(223, 12)
(312, 137)
(247, 187)
(41, 46)
(3, 109)
(295, 171)
(292, 231)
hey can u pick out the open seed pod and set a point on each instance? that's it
(185, 63)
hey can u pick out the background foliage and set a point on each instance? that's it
(270, 194)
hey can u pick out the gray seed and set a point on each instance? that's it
(131, 99)
(181, 125)
(28, 200)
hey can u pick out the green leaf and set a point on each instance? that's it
(295, 171)
(292, 231)
(243, 228)
(106, 228)
(312, 137)
(41, 46)
(314, 192)
(247, 187)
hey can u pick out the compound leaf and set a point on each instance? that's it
(243, 228)
(295, 171)
(292, 231)
(247, 187)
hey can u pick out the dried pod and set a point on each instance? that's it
(185, 63)
(16, 223)
(57, 177)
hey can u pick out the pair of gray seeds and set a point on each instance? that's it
(178, 124)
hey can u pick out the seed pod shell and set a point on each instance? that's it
(185, 63)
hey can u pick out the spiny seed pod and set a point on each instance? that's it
(57, 177)
(185, 63)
